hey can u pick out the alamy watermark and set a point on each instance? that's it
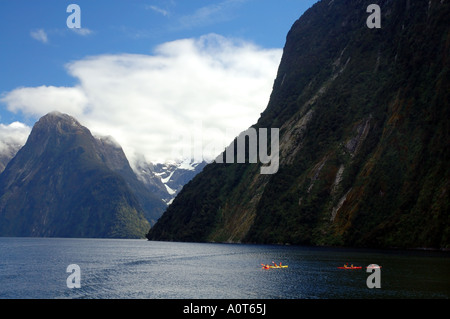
(374, 280)
(249, 146)
(257, 146)
(74, 279)
(374, 19)
(74, 19)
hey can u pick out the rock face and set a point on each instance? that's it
(65, 183)
(149, 197)
(364, 139)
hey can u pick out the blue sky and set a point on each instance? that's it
(39, 52)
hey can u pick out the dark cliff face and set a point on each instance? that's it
(364, 139)
(114, 158)
(58, 185)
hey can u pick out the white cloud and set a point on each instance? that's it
(39, 35)
(82, 31)
(14, 134)
(152, 104)
(158, 10)
(38, 101)
(211, 14)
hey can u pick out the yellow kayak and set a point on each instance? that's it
(273, 266)
(278, 266)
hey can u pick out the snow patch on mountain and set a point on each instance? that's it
(169, 177)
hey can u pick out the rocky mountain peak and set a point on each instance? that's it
(62, 183)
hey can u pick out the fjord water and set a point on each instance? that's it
(36, 268)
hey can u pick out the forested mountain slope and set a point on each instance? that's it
(364, 139)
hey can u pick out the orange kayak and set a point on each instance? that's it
(273, 266)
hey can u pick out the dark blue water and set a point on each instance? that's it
(36, 268)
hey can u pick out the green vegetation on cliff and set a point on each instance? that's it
(364, 139)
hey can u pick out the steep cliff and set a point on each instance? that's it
(364, 139)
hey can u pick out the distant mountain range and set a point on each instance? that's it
(167, 179)
(364, 138)
(65, 182)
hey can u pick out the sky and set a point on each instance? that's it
(158, 76)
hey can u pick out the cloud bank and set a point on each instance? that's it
(189, 92)
(12, 136)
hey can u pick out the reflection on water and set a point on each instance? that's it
(36, 268)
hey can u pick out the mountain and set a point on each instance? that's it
(176, 174)
(65, 183)
(363, 143)
(150, 199)
(167, 179)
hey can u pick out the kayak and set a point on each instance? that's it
(359, 267)
(273, 266)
